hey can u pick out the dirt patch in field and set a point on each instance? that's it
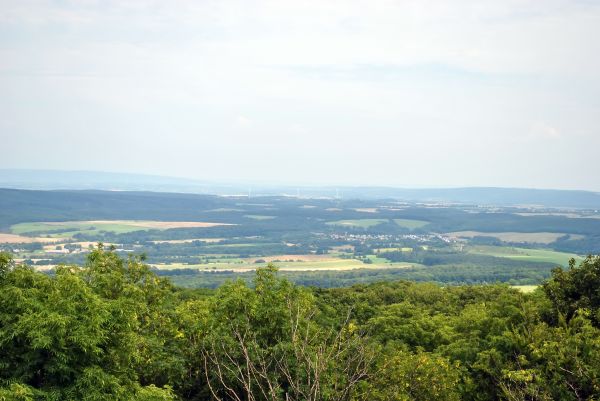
(19, 239)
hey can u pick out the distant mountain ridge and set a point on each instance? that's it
(90, 180)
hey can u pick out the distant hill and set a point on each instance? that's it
(288, 214)
(63, 205)
(89, 180)
(489, 196)
(57, 179)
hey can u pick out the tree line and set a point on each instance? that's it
(113, 330)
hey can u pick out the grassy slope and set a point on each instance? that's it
(531, 255)
(411, 224)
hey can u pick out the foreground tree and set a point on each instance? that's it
(404, 376)
(113, 330)
(264, 344)
(576, 288)
(75, 336)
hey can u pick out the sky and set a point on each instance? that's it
(404, 93)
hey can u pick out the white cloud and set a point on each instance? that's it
(243, 121)
(543, 130)
(394, 84)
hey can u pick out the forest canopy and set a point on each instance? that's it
(113, 330)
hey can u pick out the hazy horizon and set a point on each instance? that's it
(118, 179)
(411, 94)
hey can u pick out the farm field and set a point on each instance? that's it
(288, 263)
(6, 238)
(366, 223)
(359, 223)
(91, 227)
(230, 234)
(259, 217)
(400, 249)
(525, 254)
(187, 241)
(536, 238)
(525, 288)
(411, 224)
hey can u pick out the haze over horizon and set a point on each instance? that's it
(406, 94)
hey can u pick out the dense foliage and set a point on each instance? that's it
(113, 330)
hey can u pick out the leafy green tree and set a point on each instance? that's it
(262, 344)
(405, 376)
(6, 263)
(70, 337)
(576, 288)
(113, 330)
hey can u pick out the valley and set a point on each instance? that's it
(202, 240)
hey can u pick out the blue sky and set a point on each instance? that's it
(404, 93)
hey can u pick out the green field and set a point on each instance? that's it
(540, 237)
(411, 224)
(525, 288)
(397, 249)
(365, 223)
(259, 217)
(69, 228)
(361, 223)
(72, 227)
(530, 255)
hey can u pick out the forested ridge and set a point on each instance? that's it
(113, 330)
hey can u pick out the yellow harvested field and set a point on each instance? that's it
(330, 264)
(525, 288)
(44, 268)
(19, 239)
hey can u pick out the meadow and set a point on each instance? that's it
(366, 223)
(525, 254)
(411, 224)
(534, 238)
(358, 223)
(92, 227)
